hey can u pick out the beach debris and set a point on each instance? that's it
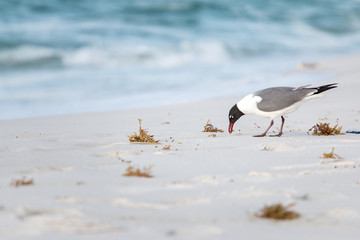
(266, 148)
(210, 128)
(309, 65)
(22, 182)
(278, 147)
(278, 212)
(143, 136)
(303, 197)
(166, 147)
(353, 131)
(331, 155)
(325, 129)
(171, 233)
(347, 165)
(212, 135)
(118, 155)
(131, 171)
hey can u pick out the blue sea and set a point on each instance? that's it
(66, 56)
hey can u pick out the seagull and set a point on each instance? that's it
(274, 102)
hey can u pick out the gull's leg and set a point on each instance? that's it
(264, 134)
(281, 128)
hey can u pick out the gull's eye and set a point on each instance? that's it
(231, 116)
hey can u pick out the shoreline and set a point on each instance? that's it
(301, 74)
(204, 187)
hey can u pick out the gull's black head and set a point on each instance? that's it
(234, 115)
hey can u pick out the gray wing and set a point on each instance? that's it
(274, 99)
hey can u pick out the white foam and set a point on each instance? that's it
(185, 53)
(26, 53)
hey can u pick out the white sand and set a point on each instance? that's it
(203, 188)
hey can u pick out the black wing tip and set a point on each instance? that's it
(325, 88)
(329, 85)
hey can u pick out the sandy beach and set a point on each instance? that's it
(204, 187)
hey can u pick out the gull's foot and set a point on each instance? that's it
(277, 135)
(261, 135)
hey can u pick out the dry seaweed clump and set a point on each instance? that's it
(137, 172)
(331, 155)
(278, 212)
(210, 128)
(143, 136)
(166, 147)
(325, 129)
(22, 182)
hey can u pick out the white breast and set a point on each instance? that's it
(248, 104)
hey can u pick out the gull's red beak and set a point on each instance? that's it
(231, 126)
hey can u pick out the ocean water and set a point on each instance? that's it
(65, 56)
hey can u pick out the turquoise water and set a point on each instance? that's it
(64, 56)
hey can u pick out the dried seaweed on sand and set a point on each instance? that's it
(137, 172)
(166, 147)
(22, 182)
(143, 136)
(325, 129)
(278, 212)
(210, 128)
(331, 155)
